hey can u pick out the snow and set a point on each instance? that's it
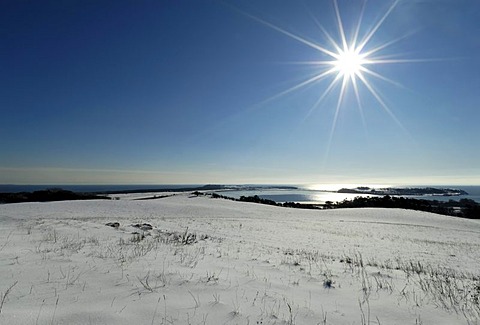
(249, 264)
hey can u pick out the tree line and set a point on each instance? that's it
(464, 208)
(49, 195)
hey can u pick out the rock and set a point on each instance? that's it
(144, 226)
(113, 224)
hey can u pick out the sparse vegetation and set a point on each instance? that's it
(237, 279)
(3, 296)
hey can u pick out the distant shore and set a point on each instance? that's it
(137, 188)
(408, 191)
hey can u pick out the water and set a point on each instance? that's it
(300, 195)
(321, 195)
(318, 194)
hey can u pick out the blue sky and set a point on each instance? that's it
(117, 92)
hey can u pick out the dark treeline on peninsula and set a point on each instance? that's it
(48, 196)
(464, 208)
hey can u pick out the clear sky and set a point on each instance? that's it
(118, 92)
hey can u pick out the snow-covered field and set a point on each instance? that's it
(215, 261)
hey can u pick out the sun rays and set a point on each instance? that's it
(346, 63)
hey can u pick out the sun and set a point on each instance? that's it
(348, 60)
(350, 63)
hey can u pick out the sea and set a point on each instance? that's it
(312, 194)
(320, 196)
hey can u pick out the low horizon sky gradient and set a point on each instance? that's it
(195, 92)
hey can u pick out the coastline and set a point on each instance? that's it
(278, 193)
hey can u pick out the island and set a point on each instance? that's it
(405, 191)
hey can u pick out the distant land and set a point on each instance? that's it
(54, 194)
(139, 188)
(414, 191)
(208, 187)
(382, 198)
(60, 194)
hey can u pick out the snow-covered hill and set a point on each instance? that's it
(215, 261)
